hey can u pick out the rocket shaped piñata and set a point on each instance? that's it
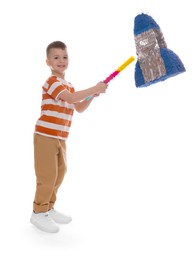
(155, 62)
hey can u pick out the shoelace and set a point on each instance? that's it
(48, 217)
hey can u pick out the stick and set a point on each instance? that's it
(116, 72)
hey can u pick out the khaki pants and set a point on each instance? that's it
(50, 168)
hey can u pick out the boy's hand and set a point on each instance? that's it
(96, 95)
(101, 87)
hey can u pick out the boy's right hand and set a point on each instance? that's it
(101, 87)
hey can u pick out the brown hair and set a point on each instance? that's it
(56, 44)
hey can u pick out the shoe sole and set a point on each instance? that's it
(43, 229)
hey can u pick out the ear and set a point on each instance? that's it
(47, 62)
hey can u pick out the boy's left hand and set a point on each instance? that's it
(96, 95)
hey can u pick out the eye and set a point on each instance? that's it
(66, 57)
(55, 58)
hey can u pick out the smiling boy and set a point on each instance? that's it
(59, 100)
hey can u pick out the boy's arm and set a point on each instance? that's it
(83, 105)
(82, 94)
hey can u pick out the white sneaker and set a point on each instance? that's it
(44, 222)
(59, 217)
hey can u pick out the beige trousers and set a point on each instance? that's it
(50, 168)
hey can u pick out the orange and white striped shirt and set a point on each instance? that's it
(56, 115)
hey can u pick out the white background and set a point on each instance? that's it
(130, 181)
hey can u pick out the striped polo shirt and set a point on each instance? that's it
(56, 115)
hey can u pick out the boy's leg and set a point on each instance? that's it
(62, 168)
(46, 169)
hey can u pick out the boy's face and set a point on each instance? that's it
(57, 60)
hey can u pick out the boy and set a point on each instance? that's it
(59, 100)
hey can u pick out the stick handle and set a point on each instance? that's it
(116, 72)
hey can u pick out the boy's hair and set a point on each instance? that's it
(56, 44)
